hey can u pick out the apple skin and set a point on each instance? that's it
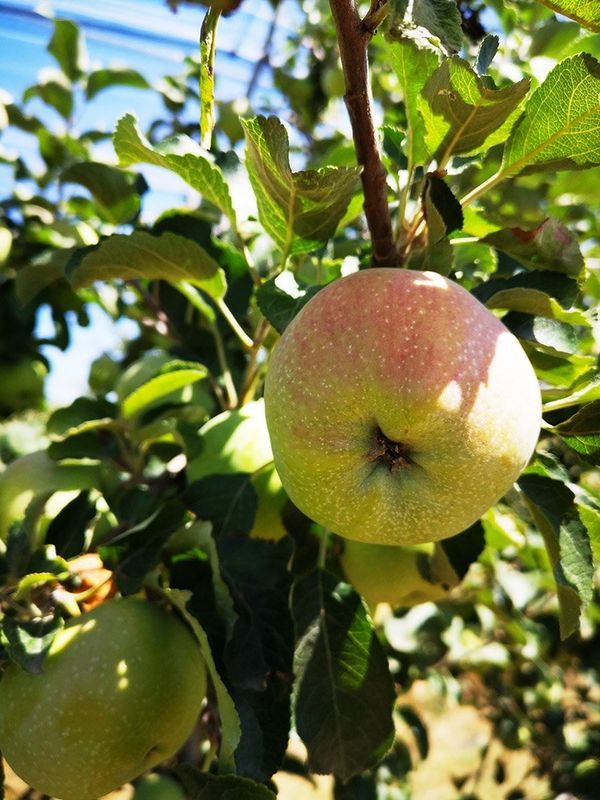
(414, 358)
(238, 441)
(121, 691)
(399, 576)
(22, 385)
(35, 474)
(158, 787)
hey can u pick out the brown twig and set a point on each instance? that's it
(353, 37)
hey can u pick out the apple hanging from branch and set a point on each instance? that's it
(399, 407)
(121, 690)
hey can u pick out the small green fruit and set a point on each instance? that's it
(400, 576)
(238, 441)
(121, 690)
(22, 385)
(157, 787)
(36, 474)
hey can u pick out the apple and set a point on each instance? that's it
(121, 690)
(399, 407)
(22, 385)
(157, 787)
(238, 441)
(37, 474)
(400, 576)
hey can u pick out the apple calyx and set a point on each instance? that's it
(395, 455)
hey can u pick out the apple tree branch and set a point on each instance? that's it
(353, 37)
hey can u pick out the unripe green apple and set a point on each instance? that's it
(238, 441)
(399, 407)
(121, 691)
(36, 474)
(400, 576)
(22, 385)
(158, 787)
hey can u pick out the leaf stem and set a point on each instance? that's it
(235, 326)
(482, 188)
(322, 558)
(404, 200)
(252, 369)
(194, 297)
(232, 397)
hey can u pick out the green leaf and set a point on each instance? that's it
(228, 501)
(28, 642)
(67, 531)
(585, 12)
(204, 786)
(487, 50)
(441, 209)
(344, 694)
(568, 545)
(536, 303)
(208, 45)
(101, 79)
(588, 392)
(299, 210)
(590, 516)
(174, 375)
(543, 294)
(259, 657)
(549, 335)
(474, 258)
(560, 128)
(6, 241)
(278, 306)
(141, 256)
(465, 548)
(84, 414)
(179, 154)
(550, 246)
(68, 48)
(36, 580)
(413, 65)
(41, 271)
(439, 17)
(113, 190)
(54, 90)
(230, 728)
(443, 215)
(135, 552)
(582, 431)
(462, 114)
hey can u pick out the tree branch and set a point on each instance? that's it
(353, 38)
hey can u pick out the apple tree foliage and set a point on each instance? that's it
(481, 161)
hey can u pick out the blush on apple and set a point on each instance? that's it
(399, 407)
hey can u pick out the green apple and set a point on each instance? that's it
(37, 474)
(399, 407)
(22, 385)
(157, 787)
(400, 576)
(121, 690)
(238, 441)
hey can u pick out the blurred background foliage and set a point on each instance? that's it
(492, 703)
